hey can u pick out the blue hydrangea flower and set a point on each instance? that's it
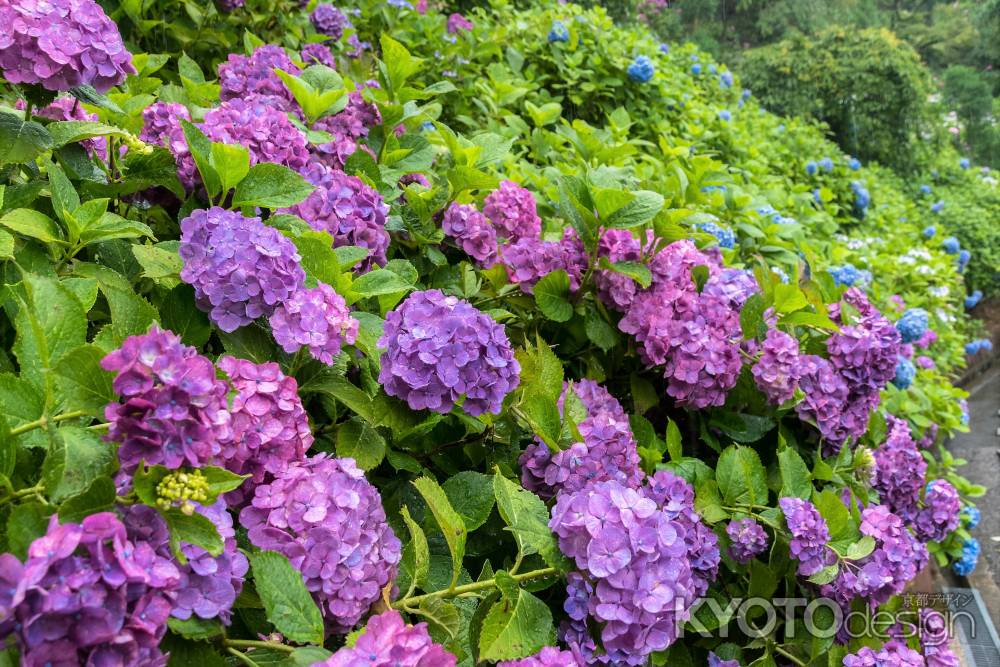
(973, 299)
(937, 206)
(725, 236)
(925, 189)
(844, 276)
(970, 557)
(912, 325)
(713, 69)
(745, 95)
(725, 115)
(905, 373)
(970, 516)
(963, 259)
(964, 163)
(428, 126)
(972, 348)
(854, 164)
(817, 196)
(559, 32)
(862, 199)
(696, 69)
(664, 49)
(641, 69)
(811, 168)
(726, 79)
(826, 164)
(930, 231)
(951, 245)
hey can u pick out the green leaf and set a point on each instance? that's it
(763, 581)
(99, 497)
(638, 272)
(354, 398)
(131, 314)
(112, 226)
(816, 320)
(528, 519)
(159, 263)
(643, 208)
(22, 141)
(72, 131)
(796, 481)
(788, 298)
(195, 628)
(286, 600)
(752, 316)
(306, 656)
(81, 383)
(421, 551)
(360, 441)
(6, 245)
(740, 426)
(471, 494)
(599, 331)
(552, 296)
(271, 186)
(451, 524)
(708, 502)
(319, 260)
(89, 95)
(541, 369)
(26, 523)
(201, 151)
(76, 458)
(231, 162)
(515, 627)
(826, 575)
(674, 447)
(177, 315)
(65, 199)
(220, 481)
(441, 613)
(377, 282)
(833, 511)
(50, 323)
(741, 477)
(397, 64)
(861, 548)
(33, 224)
(193, 529)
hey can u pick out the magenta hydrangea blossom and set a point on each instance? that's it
(243, 77)
(893, 653)
(269, 426)
(530, 259)
(173, 409)
(673, 263)
(70, 108)
(549, 656)
(939, 515)
(88, 595)
(748, 540)
(387, 641)
(458, 22)
(900, 470)
(61, 44)
(161, 125)
(330, 21)
(316, 318)
(329, 521)
(608, 450)
(776, 372)
(240, 268)
(318, 54)
(616, 290)
(810, 535)
(440, 348)
(356, 119)
(472, 232)
(258, 124)
(209, 585)
(350, 211)
(513, 212)
(734, 286)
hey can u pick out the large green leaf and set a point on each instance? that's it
(50, 323)
(741, 477)
(528, 520)
(20, 140)
(359, 440)
(76, 457)
(271, 186)
(552, 296)
(471, 494)
(451, 523)
(81, 383)
(516, 626)
(287, 601)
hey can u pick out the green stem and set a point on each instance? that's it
(255, 643)
(471, 588)
(43, 422)
(24, 493)
(28, 108)
(242, 657)
(789, 656)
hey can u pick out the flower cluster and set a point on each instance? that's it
(639, 551)
(472, 231)
(328, 520)
(912, 325)
(439, 349)
(934, 640)
(243, 77)
(240, 268)
(899, 470)
(810, 535)
(723, 235)
(387, 641)
(173, 410)
(970, 558)
(161, 125)
(61, 45)
(939, 515)
(617, 290)
(893, 653)
(529, 259)
(547, 657)
(905, 373)
(776, 372)
(716, 661)
(748, 540)
(457, 22)
(316, 318)
(256, 123)
(88, 595)
(825, 396)
(513, 212)
(330, 21)
(641, 69)
(317, 54)
(608, 450)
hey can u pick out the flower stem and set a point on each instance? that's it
(471, 588)
(256, 643)
(789, 656)
(43, 422)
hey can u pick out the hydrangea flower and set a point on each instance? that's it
(608, 450)
(549, 656)
(269, 427)
(317, 54)
(854, 164)
(725, 236)
(240, 268)
(726, 79)
(641, 69)
(696, 69)
(925, 189)
(725, 115)
(963, 259)
(934, 640)
(970, 516)
(161, 125)
(231, 5)
(87, 594)
(825, 396)
(472, 232)
(513, 212)
(964, 163)
(893, 653)
(826, 164)
(558, 32)
(348, 209)
(810, 535)
(937, 206)
(906, 372)
(912, 325)
(242, 77)
(972, 300)
(328, 520)
(716, 661)
(776, 372)
(733, 286)
(900, 470)
(61, 44)
(939, 516)
(439, 349)
(617, 290)
(748, 540)
(257, 124)
(457, 22)
(173, 410)
(862, 198)
(387, 641)
(209, 585)
(330, 21)
(845, 275)
(529, 259)
(951, 245)
(318, 318)
(970, 558)
(811, 168)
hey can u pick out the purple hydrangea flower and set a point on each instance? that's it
(458, 22)
(777, 371)
(809, 535)
(61, 44)
(173, 410)
(893, 654)
(929, 437)
(734, 286)
(240, 268)
(317, 318)
(270, 428)
(440, 348)
(256, 123)
(934, 640)
(88, 595)
(939, 516)
(318, 54)
(748, 540)
(529, 259)
(330, 21)
(387, 641)
(825, 395)
(472, 232)
(328, 520)
(70, 108)
(161, 125)
(231, 5)
(617, 290)
(209, 585)
(549, 656)
(899, 470)
(242, 77)
(350, 211)
(356, 119)
(608, 450)
(513, 212)
(714, 660)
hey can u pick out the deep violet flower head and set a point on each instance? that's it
(387, 641)
(529, 259)
(900, 470)
(70, 108)
(61, 44)
(329, 521)
(912, 325)
(939, 516)
(776, 372)
(472, 232)
(748, 540)
(894, 653)
(317, 54)
(209, 585)
(242, 77)
(608, 450)
(513, 212)
(330, 21)
(240, 268)
(458, 22)
(439, 348)
(231, 5)
(639, 552)
(269, 426)
(549, 656)
(348, 209)
(317, 318)
(825, 395)
(173, 408)
(87, 594)
(716, 661)
(257, 124)
(810, 535)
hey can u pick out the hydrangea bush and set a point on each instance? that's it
(321, 347)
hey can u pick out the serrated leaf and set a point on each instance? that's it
(528, 519)
(271, 186)
(33, 224)
(637, 271)
(72, 131)
(378, 282)
(194, 529)
(796, 481)
(451, 524)
(516, 628)
(76, 457)
(421, 552)
(674, 446)
(288, 604)
(359, 440)
(81, 383)
(552, 296)
(826, 575)
(741, 477)
(441, 613)
(195, 628)
(599, 331)
(99, 497)
(861, 548)
(26, 523)
(471, 494)
(21, 141)
(6, 245)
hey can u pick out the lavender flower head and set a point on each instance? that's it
(61, 44)
(939, 516)
(87, 594)
(242, 77)
(240, 268)
(934, 640)
(893, 653)
(513, 212)
(161, 125)
(457, 22)
(472, 232)
(529, 259)
(328, 520)
(734, 286)
(608, 450)
(317, 318)
(387, 641)
(899, 470)
(714, 660)
(269, 426)
(810, 535)
(549, 656)
(318, 54)
(330, 21)
(258, 124)
(777, 371)
(748, 540)
(440, 348)
(825, 394)
(173, 410)
(616, 290)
